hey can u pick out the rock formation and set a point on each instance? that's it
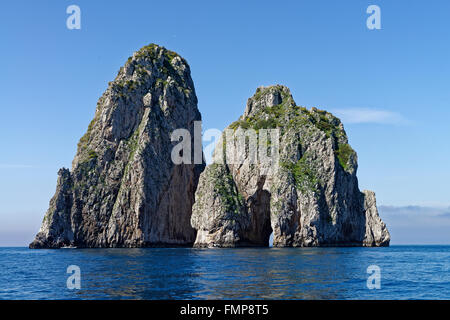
(309, 197)
(123, 189)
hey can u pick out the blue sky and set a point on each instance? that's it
(390, 86)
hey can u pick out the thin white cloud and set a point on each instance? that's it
(416, 224)
(367, 115)
(416, 211)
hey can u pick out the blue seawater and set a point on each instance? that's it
(407, 272)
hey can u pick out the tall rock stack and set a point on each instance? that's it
(311, 198)
(124, 190)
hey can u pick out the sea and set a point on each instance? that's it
(396, 272)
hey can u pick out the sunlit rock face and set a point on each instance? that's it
(310, 197)
(123, 189)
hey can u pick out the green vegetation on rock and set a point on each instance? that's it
(85, 138)
(149, 51)
(344, 153)
(92, 154)
(287, 115)
(303, 174)
(83, 150)
(225, 187)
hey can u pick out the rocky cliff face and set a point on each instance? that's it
(123, 189)
(308, 197)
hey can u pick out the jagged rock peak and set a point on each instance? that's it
(123, 189)
(310, 197)
(149, 77)
(266, 97)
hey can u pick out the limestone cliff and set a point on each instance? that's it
(310, 197)
(123, 189)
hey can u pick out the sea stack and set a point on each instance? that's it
(311, 198)
(123, 189)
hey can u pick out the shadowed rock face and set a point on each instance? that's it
(311, 198)
(123, 189)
